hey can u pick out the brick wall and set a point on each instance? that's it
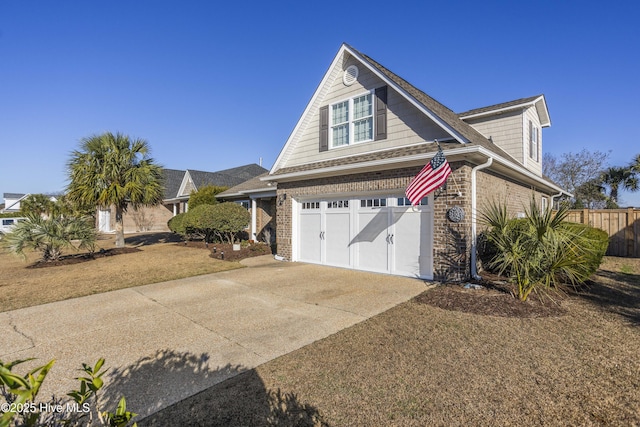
(451, 240)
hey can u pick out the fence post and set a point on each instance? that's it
(629, 238)
(585, 216)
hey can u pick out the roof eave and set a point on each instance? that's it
(476, 154)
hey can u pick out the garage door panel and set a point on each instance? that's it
(310, 243)
(337, 239)
(412, 243)
(371, 241)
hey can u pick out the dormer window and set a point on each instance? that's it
(534, 137)
(352, 121)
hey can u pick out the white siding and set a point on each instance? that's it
(406, 125)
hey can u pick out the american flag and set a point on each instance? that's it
(432, 176)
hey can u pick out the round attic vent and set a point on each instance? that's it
(350, 75)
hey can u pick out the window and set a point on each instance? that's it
(310, 205)
(337, 204)
(544, 205)
(403, 201)
(7, 222)
(373, 203)
(352, 121)
(244, 203)
(533, 141)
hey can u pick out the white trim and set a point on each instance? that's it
(505, 109)
(254, 219)
(336, 170)
(350, 120)
(183, 185)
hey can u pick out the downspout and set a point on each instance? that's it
(553, 197)
(474, 209)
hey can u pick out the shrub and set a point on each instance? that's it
(229, 219)
(541, 250)
(50, 236)
(176, 224)
(20, 393)
(201, 220)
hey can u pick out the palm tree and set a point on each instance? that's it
(113, 170)
(50, 236)
(619, 177)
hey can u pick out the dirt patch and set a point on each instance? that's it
(84, 257)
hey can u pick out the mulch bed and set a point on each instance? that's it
(224, 251)
(84, 257)
(495, 298)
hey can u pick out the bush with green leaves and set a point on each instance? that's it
(230, 219)
(50, 236)
(20, 407)
(200, 220)
(205, 195)
(541, 250)
(176, 224)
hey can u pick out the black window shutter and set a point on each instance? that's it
(324, 128)
(381, 113)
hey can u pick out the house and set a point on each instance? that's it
(12, 202)
(365, 133)
(260, 198)
(178, 185)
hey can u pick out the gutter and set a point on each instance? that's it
(474, 209)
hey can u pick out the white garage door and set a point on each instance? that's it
(381, 234)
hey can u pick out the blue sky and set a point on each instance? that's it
(216, 85)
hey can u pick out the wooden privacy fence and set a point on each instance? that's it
(622, 225)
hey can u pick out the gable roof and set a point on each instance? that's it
(537, 101)
(249, 187)
(226, 177)
(460, 131)
(178, 183)
(466, 142)
(172, 180)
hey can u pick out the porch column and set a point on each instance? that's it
(254, 208)
(175, 209)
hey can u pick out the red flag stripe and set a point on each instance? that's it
(427, 181)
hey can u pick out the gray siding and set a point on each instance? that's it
(406, 125)
(505, 130)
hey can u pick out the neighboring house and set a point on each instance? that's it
(365, 133)
(260, 198)
(12, 202)
(178, 187)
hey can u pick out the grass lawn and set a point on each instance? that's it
(414, 365)
(418, 364)
(158, 259)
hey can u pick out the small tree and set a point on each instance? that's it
(229, 219)
(36, 205)
(205, 196)
(50, 236)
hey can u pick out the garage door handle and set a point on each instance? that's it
(391, 238)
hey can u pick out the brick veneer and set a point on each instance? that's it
(451, 241)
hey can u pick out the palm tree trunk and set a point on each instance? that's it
(119, 228)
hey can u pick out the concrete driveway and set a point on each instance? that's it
(167, 341)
